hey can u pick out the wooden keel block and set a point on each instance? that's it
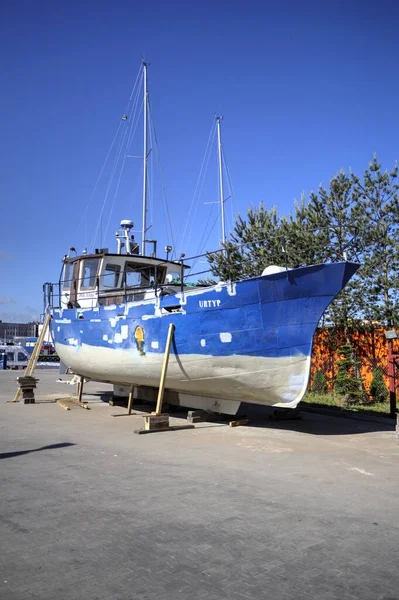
(152, 422)
(170, 428)
(199, 416)
(239, 422)
(63, 404)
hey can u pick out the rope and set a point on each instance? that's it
(205, 160)
(113, 170)
(98, 179)
(163, 188)
(126, 111)
(131, 135)
(233, 204)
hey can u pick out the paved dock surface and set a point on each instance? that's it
(299, 509)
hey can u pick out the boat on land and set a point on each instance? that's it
(235, 341)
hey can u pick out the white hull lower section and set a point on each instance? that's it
(269, 381)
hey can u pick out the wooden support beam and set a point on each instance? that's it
(170, 428)
(239, 422)
(63, 404)
(35, 355)
(130, 401)
(171, 332)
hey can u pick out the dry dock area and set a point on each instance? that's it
(298, 509)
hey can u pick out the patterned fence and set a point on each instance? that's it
(370, 351)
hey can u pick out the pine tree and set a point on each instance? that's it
(254, 244)
(336, 213)
(377, 197)
(378, 389)
(319, 384)
(346, 383)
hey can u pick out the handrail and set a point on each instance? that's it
(180, 266)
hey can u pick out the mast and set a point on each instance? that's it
(145, 106)
(218, 119)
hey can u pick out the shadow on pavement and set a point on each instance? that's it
(20, 452)
(318, 423)
(311, 421)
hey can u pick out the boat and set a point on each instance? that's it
(234, 341)
(16, 356)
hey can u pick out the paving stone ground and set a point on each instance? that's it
(277, 510)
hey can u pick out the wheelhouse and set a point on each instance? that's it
(103, 279)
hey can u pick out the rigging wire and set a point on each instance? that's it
(98, 179)
(205, 241)
(233, 204)
(163, 187)
(194, 202)
(109, 153)
(200, 245)
(135, 120)
(113, 170)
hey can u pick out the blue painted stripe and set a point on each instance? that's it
(274, 316)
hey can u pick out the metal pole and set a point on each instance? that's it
(218, 119)
(144, 160)
(391, 376)
(171, 331)
(80, 389)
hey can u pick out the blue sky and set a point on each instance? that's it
(305, 89)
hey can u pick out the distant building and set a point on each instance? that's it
(10, 330)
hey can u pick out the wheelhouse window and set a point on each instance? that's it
(137, 275)
(67, 279)
(89, 273)
(111, 274)
(132, 275)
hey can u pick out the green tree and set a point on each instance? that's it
(336, 213)
(346, 382)
(254, 244)
(351, 219)
(378, 389)
(377, 198)
(319, 383)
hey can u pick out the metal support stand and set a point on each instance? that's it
(80, 389)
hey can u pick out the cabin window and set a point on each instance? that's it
(137, 275)
(67, 275)
(89, 273)
(132, 276)
(111, 276)
(10, 356)
(21, 356)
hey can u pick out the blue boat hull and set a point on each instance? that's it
(247, 341)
